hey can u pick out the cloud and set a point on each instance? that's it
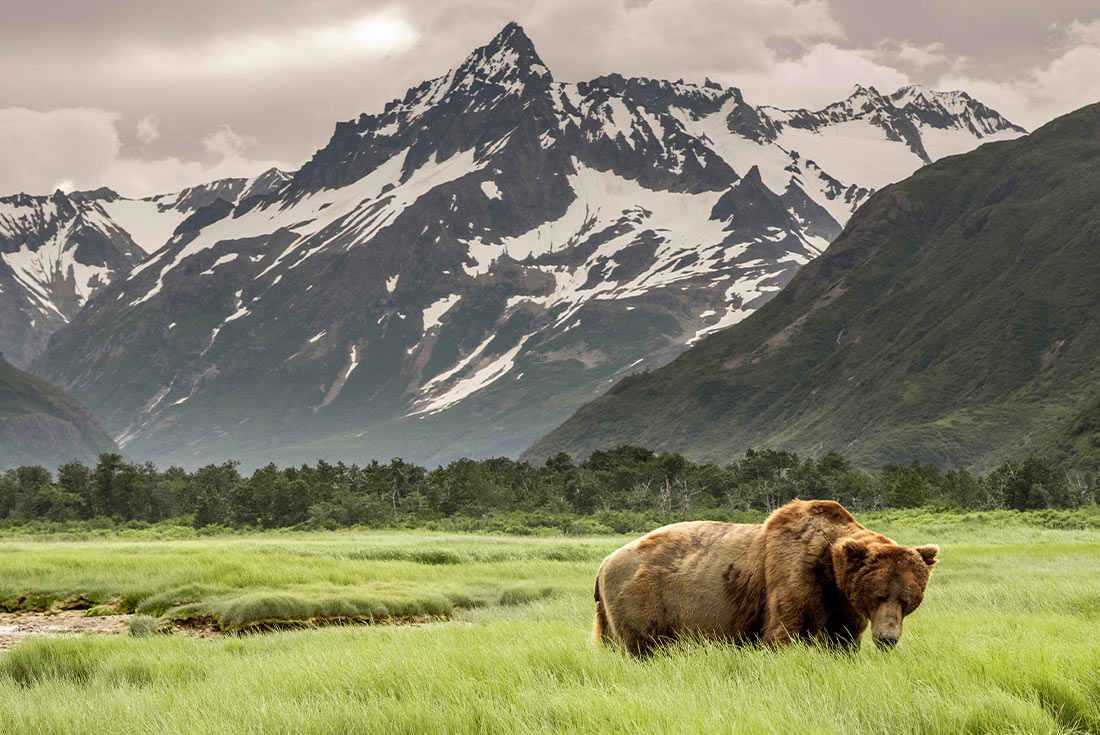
(1078, 33)
(824, 74)
(80, 148)
(227, 143)
(673, 38)
(209, 87)
(1069, 81)
(146, 129)
(269, 50)
(915, 55)
(778, 52)
(42, 150)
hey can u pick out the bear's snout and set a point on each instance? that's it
(886, 624)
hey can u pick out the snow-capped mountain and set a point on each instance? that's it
(56, 251)
(953, 322)
(456, 274)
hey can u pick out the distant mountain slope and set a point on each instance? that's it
(39, 424)
(1077, 442)
(56, 251)
(454, 275)
(956, 320)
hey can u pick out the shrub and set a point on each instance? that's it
(41, 660)
(142, 625)
(523, 595)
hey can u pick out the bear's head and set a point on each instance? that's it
(883, 581)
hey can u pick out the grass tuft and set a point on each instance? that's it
(140, 626)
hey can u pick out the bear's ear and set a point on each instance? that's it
(928, 553)
(854, 552)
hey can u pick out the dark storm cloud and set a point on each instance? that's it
(163, 94)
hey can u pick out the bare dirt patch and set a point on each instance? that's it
(15, 627)
(207, 626)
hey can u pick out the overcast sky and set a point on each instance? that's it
(148, 96)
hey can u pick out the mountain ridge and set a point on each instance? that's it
(455, 274)
(951, 322)
(57, 250)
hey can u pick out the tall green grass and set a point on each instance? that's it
(265, 580)
(1005, 642)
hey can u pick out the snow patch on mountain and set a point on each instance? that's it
(853, 151)
(355, 213)
(222, 260)
(604, 200)
(31, 272)
(148, 226)
(940, 142)
(435, 312)
(742, 297)
(479, 380)
(342, 378)
(242, 310)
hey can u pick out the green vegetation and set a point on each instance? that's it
(140, 626)
(953, 322)
(1004, 642)
(256, 581)
(1079, 441)
(618, 491)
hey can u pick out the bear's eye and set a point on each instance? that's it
(880, 599)
(904, 603)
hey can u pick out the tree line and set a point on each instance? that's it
(625, 479)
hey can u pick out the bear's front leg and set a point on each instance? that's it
(788, 618)
(843, 630)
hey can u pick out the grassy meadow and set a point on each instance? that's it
(494, 637)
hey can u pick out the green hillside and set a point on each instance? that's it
(1078, 443)
(954, 321)
(40, 424)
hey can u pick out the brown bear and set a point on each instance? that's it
(809, 572)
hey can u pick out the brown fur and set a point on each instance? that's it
(810, 572)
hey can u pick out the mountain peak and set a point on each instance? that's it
(103, 193)
(64, 207)
(513, 36)
(859, 92)
(957, 104)
(512, 30)
(911, 93)
(265, 183)
(861, 100)
(919, 95)
(454, 253)
(508, 60)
